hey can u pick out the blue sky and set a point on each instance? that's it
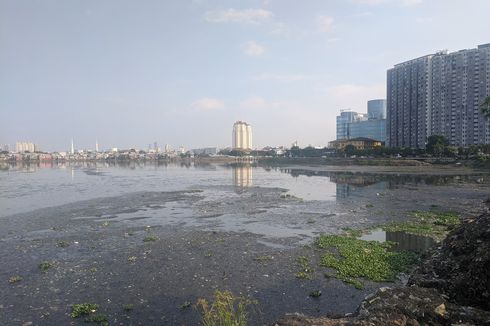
(181, 72)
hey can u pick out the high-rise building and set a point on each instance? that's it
(242, 136)
(376, 109)
(360, 125)
(21, 147)
(439, 94)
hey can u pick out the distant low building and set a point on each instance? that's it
(358, 143)
(205, 151)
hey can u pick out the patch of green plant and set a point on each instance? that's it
(100, 319)
(353, 259)
(128, 307)
(306, 271)
(225, 310)
(315, 294)
(45, 265)
(81, 309)
(63, 244)
(352, 232)
(369, 205)
(150, 238)
(15, 279)
(185, 305)
(430, 223)
(438, 218)
(263, 259)
(208, 253)
(93, 270)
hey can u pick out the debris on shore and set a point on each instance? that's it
(450, 286)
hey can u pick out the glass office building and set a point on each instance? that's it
(371, 125)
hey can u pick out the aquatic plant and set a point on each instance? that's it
(225, 310)
(45, 265)
(263, 259)
(15, 279)
(150, 239)
(81, 309)
(354, 259)
(306, 271)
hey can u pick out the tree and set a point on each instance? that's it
(485, 107)
(350, 149)
(436, 145)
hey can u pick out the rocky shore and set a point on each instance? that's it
(451, 286)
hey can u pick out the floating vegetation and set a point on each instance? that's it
(208, 253)
(81, 309)
(128, 307)
(306, 271)
(353, 259)
(103, 320)
(45, 265)
(63, 244)
(315, 294)
(15, 279)
(132, 259)
(226, 310)
(352, 232)
(185, 305)
(263, 259)
(430, 223)
(150, 239)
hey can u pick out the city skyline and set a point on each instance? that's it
(130, 73)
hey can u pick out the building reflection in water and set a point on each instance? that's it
(242, 176)
(402, 241)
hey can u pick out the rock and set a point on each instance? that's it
(440, 310)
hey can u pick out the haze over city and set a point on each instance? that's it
(130, 73)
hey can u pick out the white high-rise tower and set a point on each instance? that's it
(96, 146)
(72, 147)
(242, 136)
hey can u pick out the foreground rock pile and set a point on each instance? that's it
(451, 286)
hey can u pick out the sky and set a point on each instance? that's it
(131, 73)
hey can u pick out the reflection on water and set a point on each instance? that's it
(242, 176)
(403, 241)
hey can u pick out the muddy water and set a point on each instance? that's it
(211, 222)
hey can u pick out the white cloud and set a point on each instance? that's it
(352, 96)
(280, 78)
(404, 3)
(208, 104)
(325, 23)
(250, 16)
(253, 49)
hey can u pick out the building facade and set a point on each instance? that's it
(242, 136)
(371, 125)
(439, 94)
(358, 143)
(21, 147)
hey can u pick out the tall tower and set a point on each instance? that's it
(72, 147)
(96, 146)
(242, 136)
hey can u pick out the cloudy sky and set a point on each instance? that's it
(181, 72)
